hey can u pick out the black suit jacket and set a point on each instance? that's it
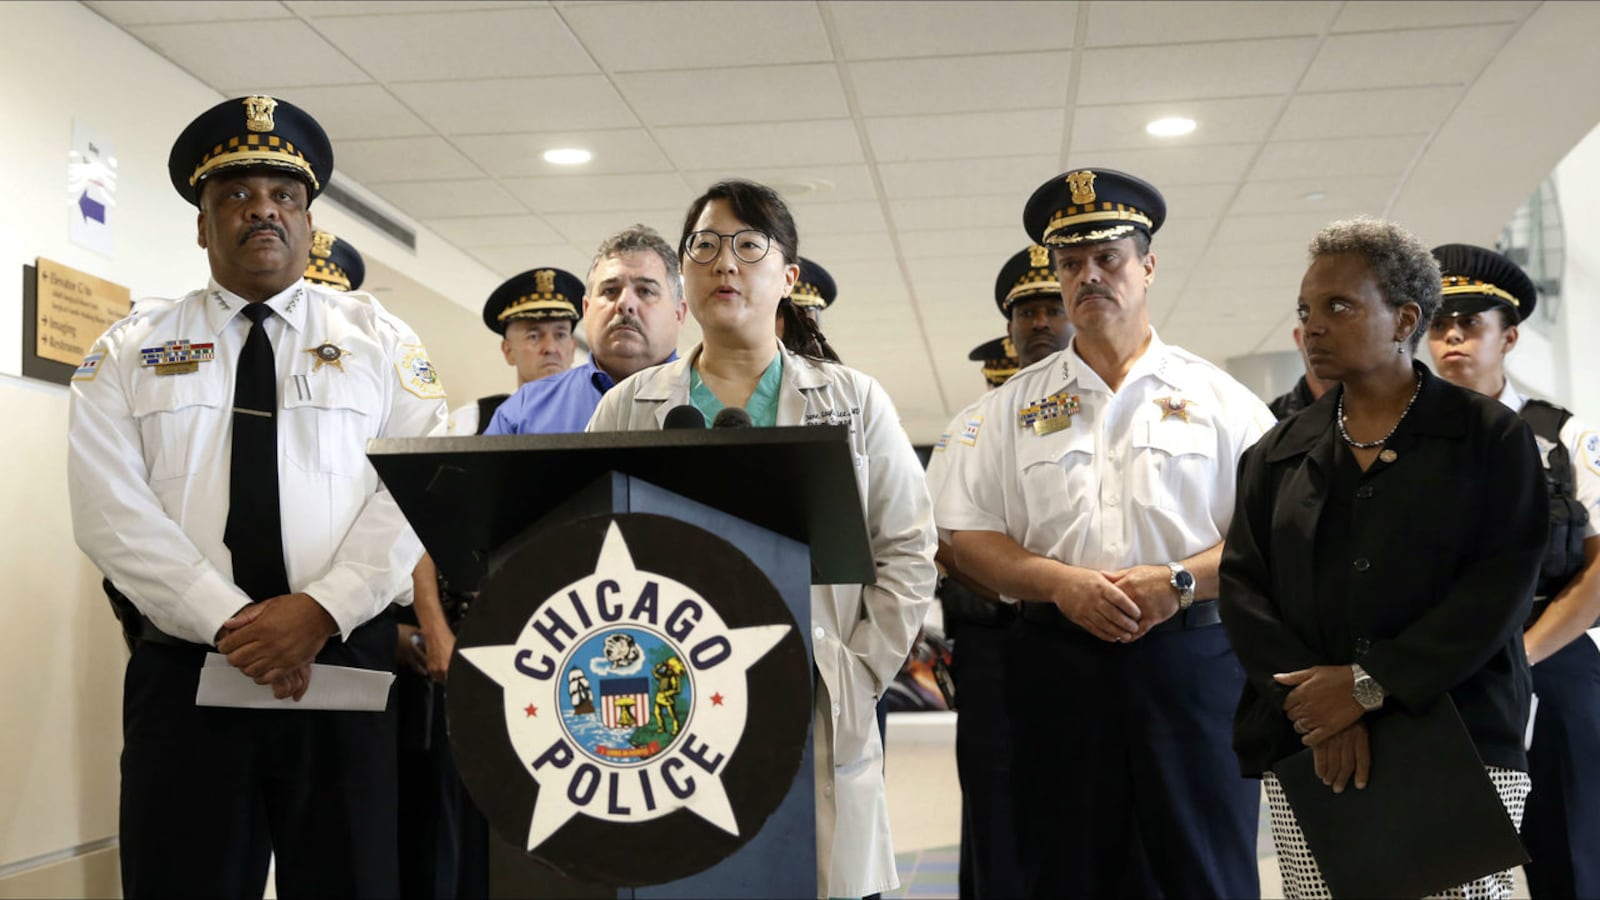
(1452, 535)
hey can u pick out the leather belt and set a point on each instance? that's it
(1199, 615)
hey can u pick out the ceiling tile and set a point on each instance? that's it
(1187, 230)
(601, 193)
(698, 147)
(1366, 113)
(1190, 71)
(955, 84)
(1341, 194)
(1167, 22)
(891, 30)
(460, 44)
(1006, 176)
(838, 218)
(966, 278)
(504, 105)
(210, 52)
(736, 95)
(404, 159)
(511, 155)
(128, 13)
(1176, 163)
(1404, 58)
(942, 213)
(312, 9)
(440, 199)
(1199, 199)
(800, 185)
(639, 37)
(998, 243)
(830, 248)
(508, 261)
(1236, 230)
(349, 112)
(964, 135)
(494, 231)
(1333, 158)
(587, 229)
(1384, 16)
(1231, 121)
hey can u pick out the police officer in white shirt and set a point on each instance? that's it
(218, 477)
(1095, 487)
(1486, 296)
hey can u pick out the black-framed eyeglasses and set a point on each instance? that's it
(749, 245)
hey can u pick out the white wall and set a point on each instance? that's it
(1578, 186)
(60, 723)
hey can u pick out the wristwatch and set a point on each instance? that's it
(1368, 692)
(1182, 581)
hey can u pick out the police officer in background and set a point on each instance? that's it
(800, 315)
(535, 313)
(1095, 487)
(975, 617)
(218, 478)
(335, 263)
(1306, 391)
(633, 310)
(1486, 296)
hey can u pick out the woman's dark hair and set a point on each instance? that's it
(760, 207)
(1402, 264)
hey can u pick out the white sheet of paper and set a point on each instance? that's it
(332, 687)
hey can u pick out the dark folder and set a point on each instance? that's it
(1429, 818)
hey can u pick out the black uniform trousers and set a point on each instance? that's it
(208, 793)
(444, 839)
(1561, 822)
(989, 864)
(1124, 777)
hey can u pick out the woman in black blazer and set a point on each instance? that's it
(1384, 544)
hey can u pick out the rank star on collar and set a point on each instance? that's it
(328, 353)
(1174, 406)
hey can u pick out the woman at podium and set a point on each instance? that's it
(740, 253)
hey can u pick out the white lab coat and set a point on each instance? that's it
(861, 634)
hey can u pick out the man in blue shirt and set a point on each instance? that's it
(632, 313)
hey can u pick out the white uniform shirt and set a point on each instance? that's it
(1583, 450)
(464, 421)
(1144, 475)
(939, 465)
(149, 454)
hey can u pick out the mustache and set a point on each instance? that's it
(1092, 290)
(259, 227)
(626, 321)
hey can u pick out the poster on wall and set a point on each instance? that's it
(91, 188)
(64, 311)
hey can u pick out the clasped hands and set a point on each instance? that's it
(1120, 606)
(275, 640)
(1322, 707)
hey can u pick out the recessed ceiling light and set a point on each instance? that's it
(1314, 196)
(1172, 126)
(568, 156)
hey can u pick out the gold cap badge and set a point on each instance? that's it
(1082, 185)
(258, 113)
(544, 281)
(322, 244)
(1038, 257)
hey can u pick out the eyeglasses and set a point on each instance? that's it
(749, 245)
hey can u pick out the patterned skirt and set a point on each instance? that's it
(1302, 880)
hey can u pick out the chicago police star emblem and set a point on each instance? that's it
(632, 701)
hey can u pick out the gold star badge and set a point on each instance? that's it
(328, 354)
(1172, 406)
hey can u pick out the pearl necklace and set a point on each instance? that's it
(1368, 445)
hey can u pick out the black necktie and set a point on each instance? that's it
(254, 533)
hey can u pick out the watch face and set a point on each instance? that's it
(1184, 579)
(1367, 692)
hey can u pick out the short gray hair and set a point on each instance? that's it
(1403, 265)
(640, 239)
